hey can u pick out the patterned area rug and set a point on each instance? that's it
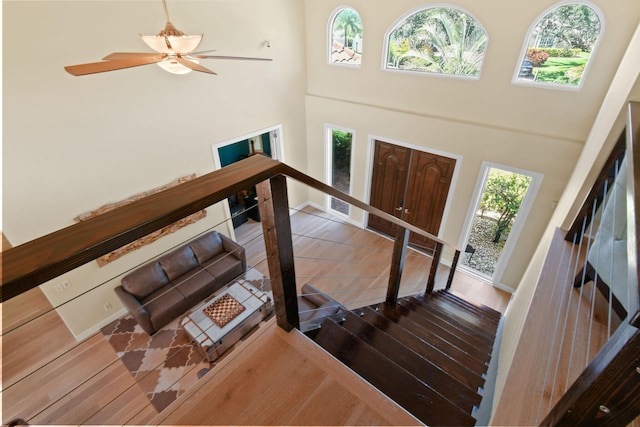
(166, 364)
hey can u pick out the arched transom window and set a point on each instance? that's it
(560, 46)
(345, 44)
(443, 40)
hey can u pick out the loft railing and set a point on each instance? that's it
(36, 262)
(607, 392)
(327, 252)
(47, 258)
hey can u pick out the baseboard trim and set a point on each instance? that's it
(96, 328)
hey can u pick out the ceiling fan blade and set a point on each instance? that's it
(99, 67)
(132, 55)
(202, 51)
(230, 57)
(192, 65)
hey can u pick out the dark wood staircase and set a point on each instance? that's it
(427, 353)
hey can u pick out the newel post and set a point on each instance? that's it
(435, 263)
(276, 226)
(397, 265)
(452, 272)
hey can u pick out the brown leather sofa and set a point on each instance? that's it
(314, 305)
(163, 289)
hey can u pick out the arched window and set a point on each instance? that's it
(345, 38)
(443, 40)
(559, 46)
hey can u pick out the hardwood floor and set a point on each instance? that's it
(352, 264)
(24, 346)
(48, 378)
(288, 382)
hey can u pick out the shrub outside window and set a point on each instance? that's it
(560, 46)
(345, 46)
(442, 40)
(339, 146)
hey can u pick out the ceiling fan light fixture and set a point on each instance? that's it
(179, 44)
(174, 67)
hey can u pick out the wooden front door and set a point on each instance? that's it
(427, 191)
(388, 183)
(411, 185)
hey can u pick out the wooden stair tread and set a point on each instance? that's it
(475, 323)
(414, 395)
(480, 352)
(453, 367)
(428, 353)
(461, 329)
(429, 373)
(475, 365)
(480, 308)
(451, 300)
(463, 311)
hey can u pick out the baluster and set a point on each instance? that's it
(397, 265)
(452, 272)
(435, 263)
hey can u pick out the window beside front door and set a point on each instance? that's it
(339, 144)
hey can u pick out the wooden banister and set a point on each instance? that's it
(33, 263)
(607, 392)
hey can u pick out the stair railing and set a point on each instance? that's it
(345, 266)
(36, 262)
(33, 263)
(607, 392)
(273, 202)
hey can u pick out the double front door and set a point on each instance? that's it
(411, 185)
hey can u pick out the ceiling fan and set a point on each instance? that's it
(174, 53)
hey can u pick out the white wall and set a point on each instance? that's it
(474, 143)
(72, 144)
(603, 136)
(489, 119)
(490, 101)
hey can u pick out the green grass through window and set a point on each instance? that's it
(555, 69)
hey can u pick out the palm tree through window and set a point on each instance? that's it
(346, 38)
(437, 40)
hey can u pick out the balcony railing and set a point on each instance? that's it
(35, 262)
(603, 264)
(65, 251)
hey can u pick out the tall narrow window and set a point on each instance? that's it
(560, 45)
(502, 201)
(442, 40)
(345, 44)
(338, 173)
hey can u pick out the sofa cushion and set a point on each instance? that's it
(178, 262)
(207, 246)
(225, 267)
(145, 280)
(164, 305)
(196, 285)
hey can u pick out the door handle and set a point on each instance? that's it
(399, 208)
(406, 211)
